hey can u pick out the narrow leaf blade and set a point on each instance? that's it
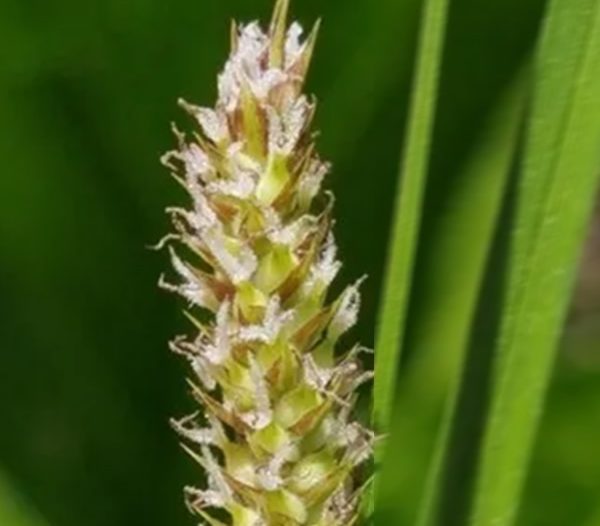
(557, 192)
(407, 219)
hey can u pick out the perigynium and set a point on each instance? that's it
(274, 435)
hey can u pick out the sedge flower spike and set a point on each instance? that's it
(255, 257)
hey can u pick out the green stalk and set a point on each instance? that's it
(407, 218)
(405, 229)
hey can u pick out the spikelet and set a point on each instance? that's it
(275, 435)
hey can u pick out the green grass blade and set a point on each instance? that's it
(463, 242)
(458, 237)
(555, 199)
(407, 218)
(408, 214)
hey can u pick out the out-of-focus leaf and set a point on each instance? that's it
(14, 509)
(564, 466)
(442, 325)
(555, 199)
(441, 319)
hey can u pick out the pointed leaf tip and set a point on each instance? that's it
(277, 32)
(234, 35)
(303, 64)
(280, 15)
(314, 33)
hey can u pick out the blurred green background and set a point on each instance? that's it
(87, 92)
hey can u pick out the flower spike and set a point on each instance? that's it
(254, 256)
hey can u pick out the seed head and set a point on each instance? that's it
(255, 257)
